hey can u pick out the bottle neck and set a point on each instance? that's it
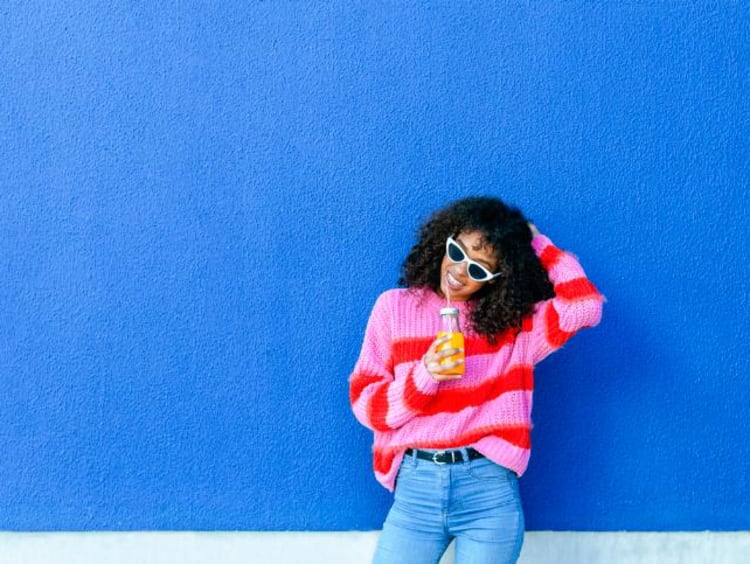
(449, 324)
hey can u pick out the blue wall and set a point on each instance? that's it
(199, 205)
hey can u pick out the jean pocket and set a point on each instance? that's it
(406, 466)
(486, 470)
(405, 469)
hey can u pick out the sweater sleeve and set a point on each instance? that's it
(381, 397)
(577, 303)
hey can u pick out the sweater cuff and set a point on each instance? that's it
(424, 380)
(539, 243)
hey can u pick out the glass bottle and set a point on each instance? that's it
(449, 326)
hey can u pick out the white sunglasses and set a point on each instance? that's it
(476, 271)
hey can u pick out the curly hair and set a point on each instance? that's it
(502, 304)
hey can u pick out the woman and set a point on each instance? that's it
(452, 447)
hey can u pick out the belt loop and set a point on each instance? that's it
(465, 455)
(414, 457)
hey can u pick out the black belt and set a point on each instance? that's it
(445, 456)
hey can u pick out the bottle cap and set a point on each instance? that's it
(449, 311)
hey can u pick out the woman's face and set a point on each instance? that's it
(455, 282)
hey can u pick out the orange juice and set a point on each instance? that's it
(456, 342)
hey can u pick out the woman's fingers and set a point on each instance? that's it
(433, 366)
(436, 344)
(439, 376)
(435, 359)
(447, 353)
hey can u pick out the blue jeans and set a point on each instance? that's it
(476, 502)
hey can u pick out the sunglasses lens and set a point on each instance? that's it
(477, 273)
(455, 253)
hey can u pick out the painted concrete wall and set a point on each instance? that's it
(201, 201)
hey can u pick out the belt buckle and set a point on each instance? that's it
(441, 454)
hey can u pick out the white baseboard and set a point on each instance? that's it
(540, 547)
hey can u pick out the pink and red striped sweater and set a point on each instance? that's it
(393, 394)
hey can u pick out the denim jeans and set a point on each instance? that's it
(476, 502)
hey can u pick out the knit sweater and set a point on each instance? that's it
(489, 408)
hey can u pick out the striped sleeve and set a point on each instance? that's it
(577, 303)
(380, 399)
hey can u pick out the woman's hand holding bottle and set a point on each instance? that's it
(438, 362)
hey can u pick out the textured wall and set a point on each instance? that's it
(200, 204)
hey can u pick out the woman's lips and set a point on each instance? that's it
(452, 283)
